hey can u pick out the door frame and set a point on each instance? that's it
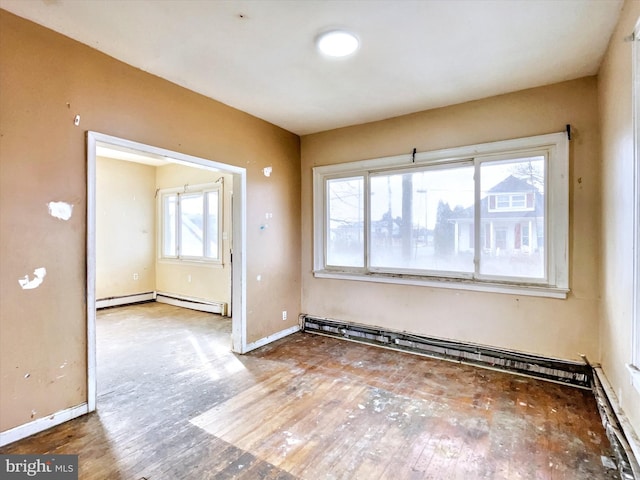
(238, 265)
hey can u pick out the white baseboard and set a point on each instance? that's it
(192, 303)
(41, 424)
(125, 300)
(271, 338)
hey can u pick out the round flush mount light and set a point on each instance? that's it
(337, 43)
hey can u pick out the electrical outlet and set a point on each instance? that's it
(284, 315)
(135, 276)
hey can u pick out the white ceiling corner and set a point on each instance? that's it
(259, 55)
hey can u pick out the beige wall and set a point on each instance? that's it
(616, 120)
(45, 80)
(125, 228)
(126, 239)
(198, 280)
(558, 328)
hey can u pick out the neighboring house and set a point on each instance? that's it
(512, 220)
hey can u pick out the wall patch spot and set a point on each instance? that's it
(267, 171)
(39, 274)
(61, 210)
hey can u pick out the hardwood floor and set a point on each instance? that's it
(174, 403)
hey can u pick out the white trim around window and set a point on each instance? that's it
(634, 367)
(190, 223)
(349, 202)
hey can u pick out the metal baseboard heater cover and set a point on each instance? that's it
(626, 462)
(562, 371)
(169, 298)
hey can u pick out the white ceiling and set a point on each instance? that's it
(259, 56)
(130, 155)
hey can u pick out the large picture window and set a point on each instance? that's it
(190, 218)
(494, 216)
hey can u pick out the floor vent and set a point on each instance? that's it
(572, 373)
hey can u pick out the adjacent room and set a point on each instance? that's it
(232, 249)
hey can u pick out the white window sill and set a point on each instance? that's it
(455, 284)
(190, 262)
(634, 373)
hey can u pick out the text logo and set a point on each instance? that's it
(50, 467)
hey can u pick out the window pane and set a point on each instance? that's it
(345, 242)
(191, 225)
(512, 212)
(518, 201)
(212, 225)
(169, 226)
(423, 220)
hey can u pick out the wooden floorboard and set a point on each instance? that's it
(175, 403)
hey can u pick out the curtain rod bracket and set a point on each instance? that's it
(413, 156)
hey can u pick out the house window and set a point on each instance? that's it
(467, 213)
(524, 232)
(190, 223)
(512, 201)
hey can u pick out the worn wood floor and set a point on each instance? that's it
(174, 403)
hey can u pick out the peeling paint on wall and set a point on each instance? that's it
(267, 171)
(61, 210)
(39, 274)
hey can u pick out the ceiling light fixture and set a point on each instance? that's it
(338, 43)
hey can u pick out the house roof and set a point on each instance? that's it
(513, 184)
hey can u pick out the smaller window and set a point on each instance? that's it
(518, 201)
(345, 222)
(502, 202)
(511, 202)
(525, 235)
(190, 219)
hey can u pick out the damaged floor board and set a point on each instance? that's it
(175, 403)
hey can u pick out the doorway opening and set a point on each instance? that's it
(234, 299)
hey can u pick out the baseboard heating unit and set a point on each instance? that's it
(577, 374)
(562, 371)
(192, 303)
(125, 300)
(172, 299)
(626, 460)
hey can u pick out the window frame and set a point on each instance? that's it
(634, 366)
(556, 148)
(202, 190)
